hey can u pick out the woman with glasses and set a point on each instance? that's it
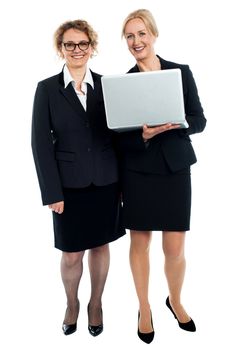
(77, 169)
(156, 179)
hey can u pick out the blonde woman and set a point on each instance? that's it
(156, 179)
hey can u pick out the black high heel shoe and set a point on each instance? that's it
(146, 337)
(70, 328)
(95, 330)
(187, 326)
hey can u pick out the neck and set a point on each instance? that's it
(77, 73)
(149, 64)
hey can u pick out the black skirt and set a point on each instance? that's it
(157, 202)
(91, 218)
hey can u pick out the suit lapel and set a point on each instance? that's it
(71, 97)
(92, 94)
(91, 99)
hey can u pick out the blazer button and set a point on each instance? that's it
(89, 149)
(87, 125)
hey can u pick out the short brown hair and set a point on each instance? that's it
(78, 24)
(146, 16)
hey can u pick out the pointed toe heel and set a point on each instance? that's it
(186, 326)
(95, 330)
(69, 328)
(146, 337)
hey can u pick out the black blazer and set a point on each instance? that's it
(170, 149)
(72, 147)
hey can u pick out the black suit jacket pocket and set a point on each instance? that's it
(178, 152)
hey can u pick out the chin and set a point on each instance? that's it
(140, 57)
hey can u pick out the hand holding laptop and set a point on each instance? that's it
(151, 131)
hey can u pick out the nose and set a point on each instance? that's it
(136, 39)
(77, 49)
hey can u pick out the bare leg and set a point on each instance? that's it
(140, 267)
(98, 260)
(173, 247)
(71, 272)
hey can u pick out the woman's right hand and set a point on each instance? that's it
(57, 207)
(149, 132)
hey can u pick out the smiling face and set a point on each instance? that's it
(139, 39)
(77, 58)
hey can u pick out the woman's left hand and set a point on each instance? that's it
(149, 132)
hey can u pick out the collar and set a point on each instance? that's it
(68, 78)
(164, 65)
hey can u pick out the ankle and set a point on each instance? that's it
(72, 304)
(144, 307)
(175, 301)
(95, 304)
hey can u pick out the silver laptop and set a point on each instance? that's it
(151, 98)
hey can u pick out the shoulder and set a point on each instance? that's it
(165, 64)
(51, 81)
(186, 73)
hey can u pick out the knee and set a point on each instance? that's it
(173, 245)
(140, 243)
(72, 259)
(102, 250)
(174, 253)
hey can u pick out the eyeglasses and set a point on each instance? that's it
(82, 45)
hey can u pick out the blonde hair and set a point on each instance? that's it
(148, 19)
(78, 24)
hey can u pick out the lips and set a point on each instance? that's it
(76, 57)
(139, 48)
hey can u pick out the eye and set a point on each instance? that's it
(142, 34)
(83, 45)
(70, 45)
(129, 36)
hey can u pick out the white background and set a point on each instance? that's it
(32, 300)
